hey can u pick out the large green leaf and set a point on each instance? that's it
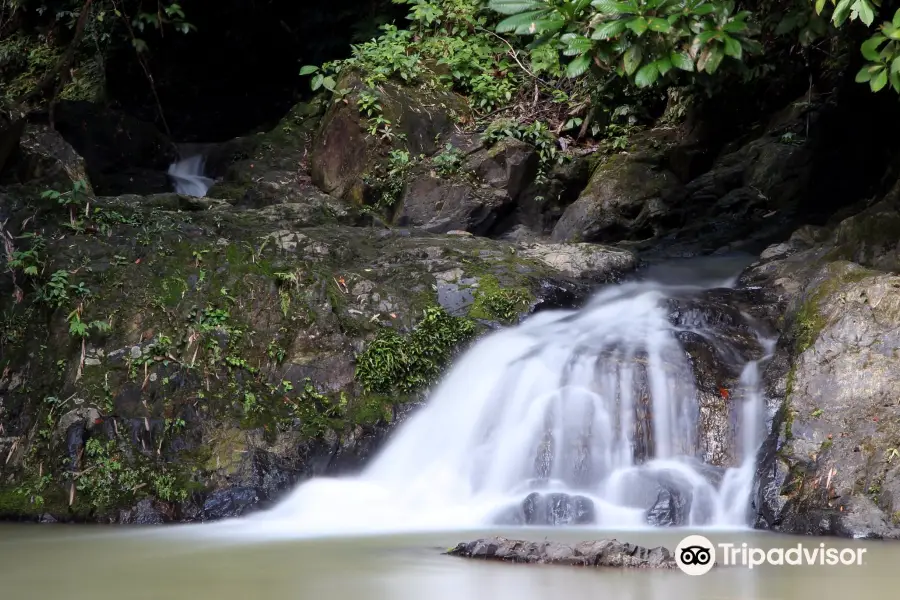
(576, 44)
(516, 21)
(879, 80)
(869, 47)
(733, 48)
(512, 7)
(710, 59)
(704, 9)
(896, 21)
(646, 75)
(681, 60)
(864, 75)
(664, 65)
(638, 25)
(308, 69)
(841, 11)
(611, 7)
(610, 29)
(632, 59)
(734, 26)
(865, 11)
(660, 25)
(578, 66)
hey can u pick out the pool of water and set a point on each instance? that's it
(200, 562)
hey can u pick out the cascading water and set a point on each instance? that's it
(188, 178)
(596, 410)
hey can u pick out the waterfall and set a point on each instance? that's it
(188, 178)
(590, 416)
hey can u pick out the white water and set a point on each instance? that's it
(548, 405)
(188, 178)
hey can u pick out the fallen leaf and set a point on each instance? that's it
(137, 262)
(723, 392)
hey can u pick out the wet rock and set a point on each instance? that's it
(550, 509)
(671, 509)
(145, 513)
(582, 261)
(229, 503)
(509, 166)
(441, 205)
(602, 553)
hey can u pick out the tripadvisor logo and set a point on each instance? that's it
(696, 555)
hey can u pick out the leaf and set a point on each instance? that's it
(525, 19)
(864, 75)
(879, 81)
(895, 81)
(610, 7)
(896, 21)
(664, 65)
(609, 30)
(646, 75)
(512, 7)
(660, 25)
(704, 9)
(866, 13)
(308, 70)
(632, 59)
(733, 48)
(578, 66)
(681, 60)
(316, 82)
(840, 12)
(329, 83)
(638, 25)
(710, 59)
(735, 26)
(820, 5)
(869, 47)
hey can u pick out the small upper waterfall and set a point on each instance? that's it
(188, 176)
(591, 415)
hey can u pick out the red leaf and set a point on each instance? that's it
(723, 392)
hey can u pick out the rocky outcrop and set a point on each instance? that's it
(344, 152)
(624, 197)
(44, 158)
(218, 354)
(830, 464)
(602, 553)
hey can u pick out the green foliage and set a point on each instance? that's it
(537, 134)
(108, 479)
(449, 161)
(648, 41)
(389, 181)
(496, 303)
(448, 42)
(394, 363)
(882, 51)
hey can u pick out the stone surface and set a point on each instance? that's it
(551, 509)
(602, 553)
(45, 157)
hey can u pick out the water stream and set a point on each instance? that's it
(188, 176)
(585, 417)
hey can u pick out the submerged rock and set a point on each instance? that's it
(550, 509)
(602, 553)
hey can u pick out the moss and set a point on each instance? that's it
(496, 303)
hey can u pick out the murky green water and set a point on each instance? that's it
(73, 563)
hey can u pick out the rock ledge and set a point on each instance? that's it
(601, 553)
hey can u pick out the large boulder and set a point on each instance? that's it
(44, 159)
(345, 152)
(477, 199)
(625, 195)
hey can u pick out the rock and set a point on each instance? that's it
(621, 201)
(550, 509)
(45, 158)
(602, 553)
(343, 152)
(229, 503)
(671, 509)
(442, 205)
(509, 166)
(581, 261)
(111, 143)
(827, 466)
(145, 513)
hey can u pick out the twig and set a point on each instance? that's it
(515, 56)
